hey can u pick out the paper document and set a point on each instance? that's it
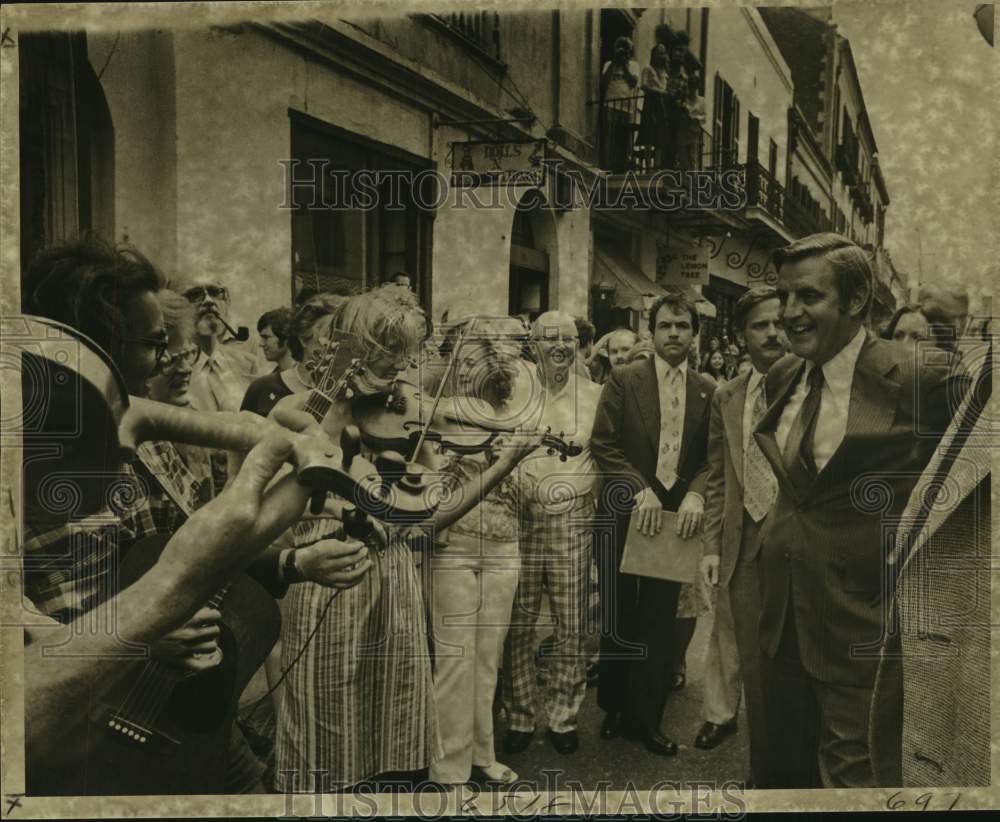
(664, 556)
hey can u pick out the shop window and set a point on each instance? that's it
(377, 227)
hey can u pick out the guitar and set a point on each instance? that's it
(159, 730)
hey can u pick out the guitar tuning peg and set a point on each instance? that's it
(349, 393)
(317, 501)
(350, 445)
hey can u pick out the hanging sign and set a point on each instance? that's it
(498, 163)
(683, 265)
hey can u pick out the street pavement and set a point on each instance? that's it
(620, 763)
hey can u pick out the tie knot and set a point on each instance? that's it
(816, 377)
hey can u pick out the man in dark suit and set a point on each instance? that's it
(852, 422)
(649, 441)
(739, 493)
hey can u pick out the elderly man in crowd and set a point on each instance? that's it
(224, 371)
(557, 510)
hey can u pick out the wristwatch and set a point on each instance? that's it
(289, 570)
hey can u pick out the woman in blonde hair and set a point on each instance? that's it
(358, 701)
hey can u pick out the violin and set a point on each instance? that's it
(64, 373)
(464, 425)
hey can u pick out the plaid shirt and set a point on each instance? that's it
(69, 569)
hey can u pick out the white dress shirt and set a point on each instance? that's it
(835, 402)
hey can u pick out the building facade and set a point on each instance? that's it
(243, 151)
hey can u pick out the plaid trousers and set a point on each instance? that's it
(556, 548)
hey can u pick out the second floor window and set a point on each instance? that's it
(725, 124)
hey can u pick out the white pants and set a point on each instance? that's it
(471, 598)
(723, 684)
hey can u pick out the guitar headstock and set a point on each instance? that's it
(330, 369)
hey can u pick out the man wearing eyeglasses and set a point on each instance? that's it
(223, 373)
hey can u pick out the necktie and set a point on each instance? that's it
(759, 485)
(671, 417)
(800, 437)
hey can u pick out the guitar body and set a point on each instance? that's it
(154, 733)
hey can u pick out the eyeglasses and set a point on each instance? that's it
(170, 362)
(197, 293)
(158, 343)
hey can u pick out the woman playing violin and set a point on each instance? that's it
(359, 702)
(475, 568)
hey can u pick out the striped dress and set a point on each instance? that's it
(359, 701)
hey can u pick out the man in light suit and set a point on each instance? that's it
(649, 441)
(739, 492)
(845, 409)
(930, 716)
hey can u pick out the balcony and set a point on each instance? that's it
(621, 143)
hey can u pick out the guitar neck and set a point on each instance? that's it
(317, 404)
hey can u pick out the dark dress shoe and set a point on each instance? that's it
(711, 734)
(677, 681)
(611, 726)
(566, 742)
(657, 743)
(517, 741)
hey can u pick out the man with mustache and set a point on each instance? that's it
(739, 492)
(223, 372)
(852, 422)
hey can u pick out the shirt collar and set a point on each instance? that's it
(838, 372)
(663, 367)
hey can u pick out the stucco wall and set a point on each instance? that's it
(138, 83)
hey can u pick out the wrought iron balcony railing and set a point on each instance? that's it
(626, 143)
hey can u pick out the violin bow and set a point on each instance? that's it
(439, 393)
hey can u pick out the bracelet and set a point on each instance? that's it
(290, 572)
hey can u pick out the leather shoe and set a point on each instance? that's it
(566, 742)
(711, 734)
(677, 681)
(657, 743)
(612, 725)
(517, 741)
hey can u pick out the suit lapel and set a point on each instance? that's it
(768, 426)
(647, 392)
(732, 418)
(695, 402)
(872, 406)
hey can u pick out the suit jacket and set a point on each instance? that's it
(724, 480)
(824, 543)
(930, 713)
(626, 436)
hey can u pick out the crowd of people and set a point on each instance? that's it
(653, 117)
(401, 643)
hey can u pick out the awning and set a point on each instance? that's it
(631, 285)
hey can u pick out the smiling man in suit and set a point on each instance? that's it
(848, 412)
(649, 440)
(739, 492)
